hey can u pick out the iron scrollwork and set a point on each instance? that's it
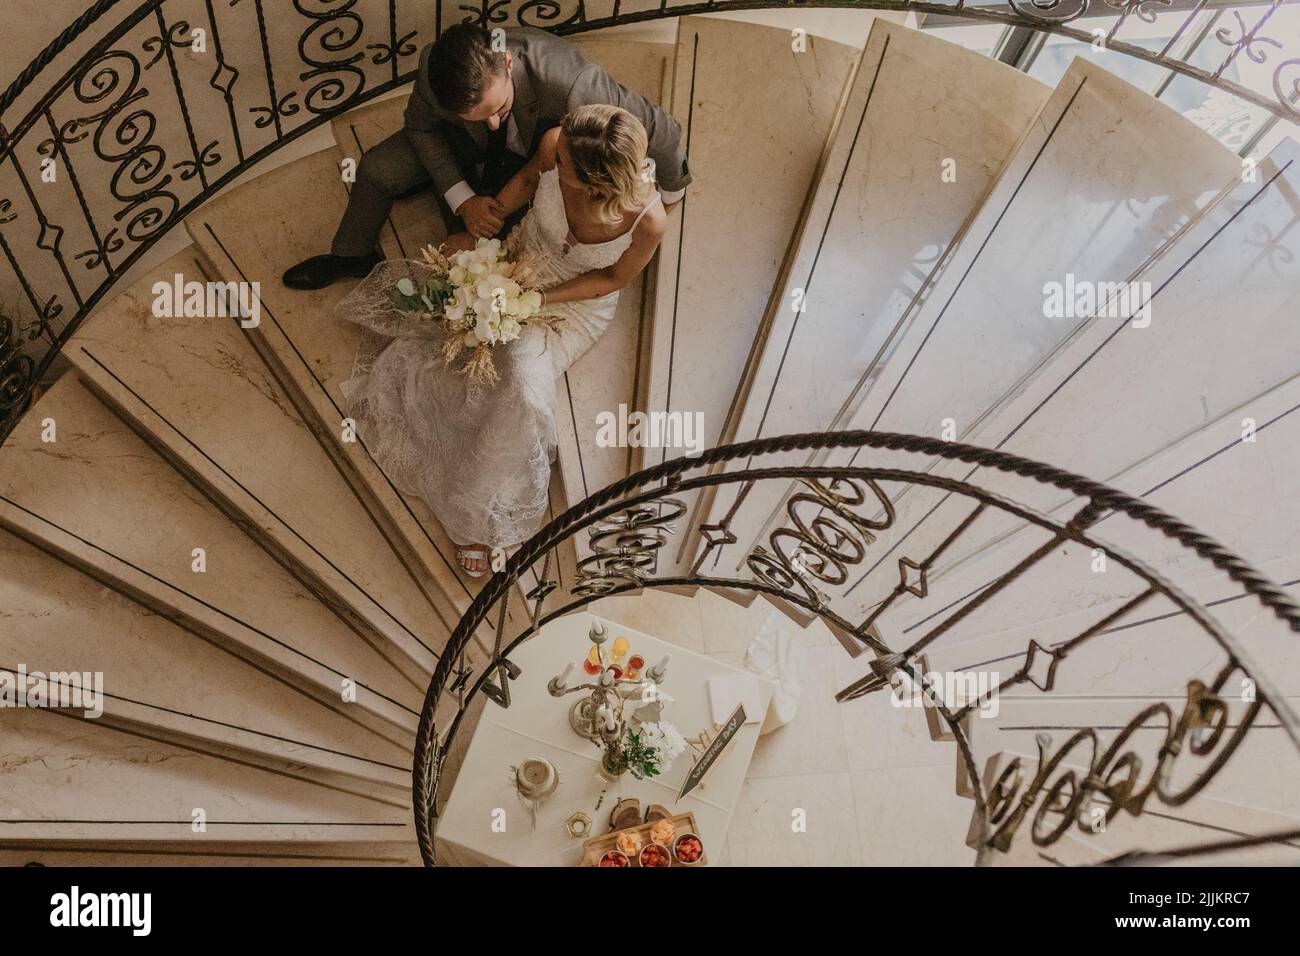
(624, 547)
(16, 370)
(1056, 798)
(825, 547)
(336, 27)
(124, 135)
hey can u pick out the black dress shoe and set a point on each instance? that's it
(319, 271)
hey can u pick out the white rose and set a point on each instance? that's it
(510, 329)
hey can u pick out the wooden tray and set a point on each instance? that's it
(597, 847)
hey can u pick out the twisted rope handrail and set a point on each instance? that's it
(51, 52)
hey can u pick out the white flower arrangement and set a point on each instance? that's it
(650, 749)
(483, 296)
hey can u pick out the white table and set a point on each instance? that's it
(537, 725)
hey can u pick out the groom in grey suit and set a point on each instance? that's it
(475, 117)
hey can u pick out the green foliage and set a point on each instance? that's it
(421, 298)
(643, 761)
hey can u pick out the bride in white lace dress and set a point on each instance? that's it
(481, 456)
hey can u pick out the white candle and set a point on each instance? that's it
(563, 680)
(607, 716)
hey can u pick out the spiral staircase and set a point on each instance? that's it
(862, 257)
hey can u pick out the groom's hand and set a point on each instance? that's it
(483, 216)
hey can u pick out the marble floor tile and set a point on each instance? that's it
(763, 829)
(814, 741)
(927, 828)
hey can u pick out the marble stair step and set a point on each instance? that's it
(925, 130)
(1151, 648)
(72, 784)
(987, 315)
(1188, 452)
(753, 159)
(164, 682)
(101, 499)
(197, 392)
(253, 234)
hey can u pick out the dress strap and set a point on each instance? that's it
(648, 206)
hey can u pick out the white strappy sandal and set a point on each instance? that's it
(469, 553)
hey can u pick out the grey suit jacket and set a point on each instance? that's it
(551, 78)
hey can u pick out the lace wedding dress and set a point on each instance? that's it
(480, 456)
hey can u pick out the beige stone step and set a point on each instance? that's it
(561, 570)
(1189, 452)
(1152, 648)
(197, 392)
(925, 130)
(99, 498)
(171, 685)
(71, 783)
(989, 332)
(754, 158)
(254, 234)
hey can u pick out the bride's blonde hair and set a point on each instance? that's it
(608, 147)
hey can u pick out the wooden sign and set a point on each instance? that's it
(714, 750)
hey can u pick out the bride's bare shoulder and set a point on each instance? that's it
(654, 223)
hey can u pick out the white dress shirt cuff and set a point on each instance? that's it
(457, 195)
(671, 197)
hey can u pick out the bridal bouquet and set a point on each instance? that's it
(481, 297)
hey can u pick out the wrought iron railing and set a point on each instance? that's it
(1093, 776)
(176, 98)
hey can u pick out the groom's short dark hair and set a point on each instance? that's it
(462, 66)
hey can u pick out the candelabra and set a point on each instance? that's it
(599, 715)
